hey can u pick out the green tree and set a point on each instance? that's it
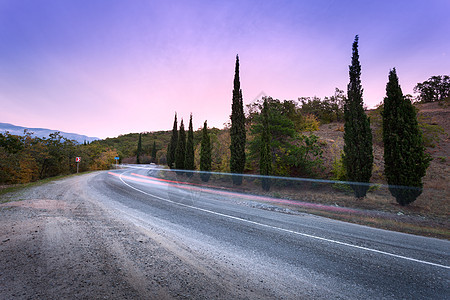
(154, 151)
(281, 131)
(328, 110)
(436, 88)
(292, 154)
(265, 160)
(171, 148)
(180, 154)
(60, 155)
(205, 154)
(358, 153)
(189, 163)
(405, 160)
(237, 131)
(26, 158)
(139, 150)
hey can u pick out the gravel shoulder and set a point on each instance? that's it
(57, 242)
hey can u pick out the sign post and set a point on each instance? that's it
(117, 160)
(77, 160)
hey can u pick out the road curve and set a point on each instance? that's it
(125, 234)
(286, 253)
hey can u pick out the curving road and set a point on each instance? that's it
(125, 234)
(290, 255)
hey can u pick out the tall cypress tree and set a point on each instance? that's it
(171, 148)
(180, 154)
(189, 163)
(405, 160)
(237, 131)
(205, 154)
(139, 150)
(358, 153)
(265, 160)
(154, 150)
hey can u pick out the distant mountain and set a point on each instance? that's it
(43, 132)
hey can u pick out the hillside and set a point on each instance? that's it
(126, 145)
(435, 122)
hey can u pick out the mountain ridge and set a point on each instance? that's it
(44, 132)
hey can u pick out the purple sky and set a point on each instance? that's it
(104, 68)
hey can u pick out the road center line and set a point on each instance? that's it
(286, 230)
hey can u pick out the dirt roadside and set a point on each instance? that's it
(58, 243)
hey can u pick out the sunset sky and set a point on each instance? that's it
(110, 67)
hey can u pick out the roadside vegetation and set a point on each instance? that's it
(27, 158)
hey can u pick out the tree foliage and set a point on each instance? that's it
(205, 154)
(28, 158)
(189, 163)
(265, 159)
(171, 148)
(291, 153)
(154, 152)
(281, 128)
(328, 110)
(220, 149)
(237, 130)
(358, 153)
(436, 88)
(139, 150)
(180, 154)
(405, 160)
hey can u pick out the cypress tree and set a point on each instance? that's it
(180, 154)
(237, 131)
(171, 148)
(189, 163)
(265, 160)
(405, 160)
(139, 150)
(154, 152)
(205, 154)
(358, 153)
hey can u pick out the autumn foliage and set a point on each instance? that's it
(27, 158)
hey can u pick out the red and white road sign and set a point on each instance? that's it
(77, 159)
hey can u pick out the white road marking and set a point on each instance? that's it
(287, 230)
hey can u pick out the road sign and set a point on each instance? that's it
(116, 158)
(77, 159)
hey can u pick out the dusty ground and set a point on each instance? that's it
(57, 243)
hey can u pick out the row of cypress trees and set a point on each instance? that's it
(404, 154)
(181, 156)
(405, 158)
(180, 151)
(139, 150)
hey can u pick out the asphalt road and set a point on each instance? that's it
(290, 255)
